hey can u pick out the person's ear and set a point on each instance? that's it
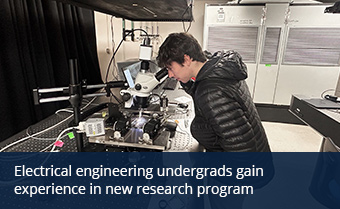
(187, 60)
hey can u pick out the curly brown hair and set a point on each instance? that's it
(175, 46)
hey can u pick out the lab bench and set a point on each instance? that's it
(182, 141)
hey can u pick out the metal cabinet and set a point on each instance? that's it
(289, 49)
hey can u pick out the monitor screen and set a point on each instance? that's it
(130, 77)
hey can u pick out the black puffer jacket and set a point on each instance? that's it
(226, 118)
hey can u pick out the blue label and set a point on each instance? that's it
(169, 180)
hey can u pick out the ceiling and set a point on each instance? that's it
(140, 10)
(164, 10)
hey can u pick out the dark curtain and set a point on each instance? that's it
(37, 37)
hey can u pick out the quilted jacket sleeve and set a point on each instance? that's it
(222, 110)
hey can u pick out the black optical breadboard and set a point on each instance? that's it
(41, 141)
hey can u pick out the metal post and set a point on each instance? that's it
(75, 100)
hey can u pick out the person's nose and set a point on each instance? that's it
(170, 74)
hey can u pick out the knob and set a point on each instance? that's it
(138, 86)
(126, 97)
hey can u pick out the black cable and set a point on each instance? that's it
(114, 96)
(186, 30)
(120, 43)
(113, 45)
(188, 27)
(113, 56)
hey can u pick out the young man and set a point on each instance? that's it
(225, 115)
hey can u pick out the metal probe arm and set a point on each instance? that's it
(39, 99)
(75, 96)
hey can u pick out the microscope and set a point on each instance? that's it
(134, 127)
(138, 93)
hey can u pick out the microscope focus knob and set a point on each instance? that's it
(138, 86)
(126, 97)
